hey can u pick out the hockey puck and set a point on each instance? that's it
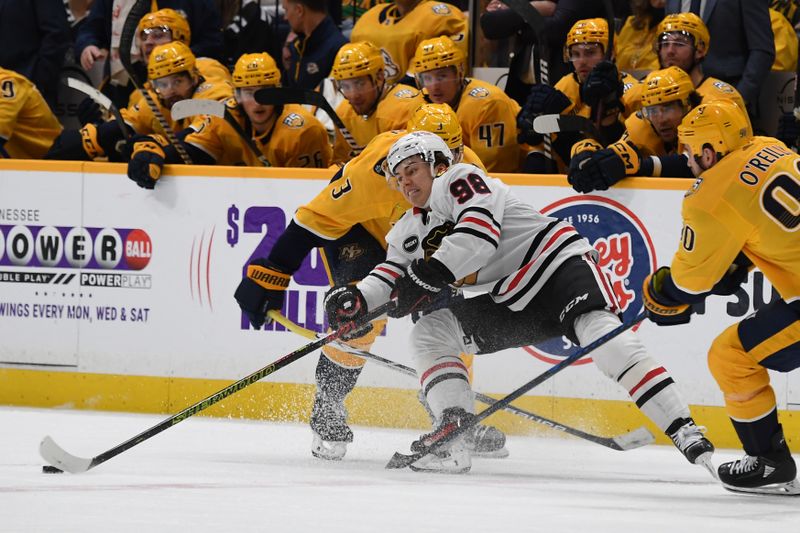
(47, 469)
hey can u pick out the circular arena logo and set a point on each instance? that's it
(625, 253)
(138, 249)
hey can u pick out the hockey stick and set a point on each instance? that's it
(627, 441)
(450, 431)
(282, 95)
(101, 100)
(139, 10)
(197, 106)
(536, 22)
(567, 123)
(58, 457)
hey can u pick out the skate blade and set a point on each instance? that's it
(704, 460)
(791, 488)
(462, 470)
(502, 453)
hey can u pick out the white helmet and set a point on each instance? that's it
(422, 143)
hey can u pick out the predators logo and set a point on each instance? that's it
(405, 93)
(350, 252)
(441, 9)
(479, 92)
(293, 120)
(723, 87)
(433, 240)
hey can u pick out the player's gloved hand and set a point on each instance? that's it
(733, 277)
(542, 100)
(345, 308)
(660, 308)
(147, 160)
(261, 290)
(595, 171)
(788, 130)
(603, 86)
(89, 112)
(416, 290)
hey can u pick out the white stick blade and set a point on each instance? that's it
(193, 107)
(56, 456)
(635, 439)
(91, 92)
(545, 124)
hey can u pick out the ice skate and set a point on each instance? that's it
(454, 458)
(772, 473)
(331, 432)
(691, 442)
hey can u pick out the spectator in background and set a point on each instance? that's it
(34, 38)
(247, 30)
(633, 47)
(312, 44)
(744, 47)
(785, 43)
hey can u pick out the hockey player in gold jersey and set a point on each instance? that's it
(173, 75)
(487, 114)
(27, 125)
(349, 219)
(649, 145)
(288, 136)
(595, 90)
(398, 27)
(743, 210)
(372, 105)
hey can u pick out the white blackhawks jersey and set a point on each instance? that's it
(488, 238)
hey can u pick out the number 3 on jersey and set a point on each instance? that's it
(464, 189)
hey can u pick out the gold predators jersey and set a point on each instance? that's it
(398, 36)
(631, 96)
(361, 195)
(140, 117)
(297, 139)
(26, 122)
(748, 202)
(392, 112)
(712, 89)
(211, 70)
(488, 119)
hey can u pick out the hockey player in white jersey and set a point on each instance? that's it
(537, 277)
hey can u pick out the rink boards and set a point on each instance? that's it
(117, 298)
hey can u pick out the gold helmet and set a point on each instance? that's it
(667, 85)
(354, 60)
(170, 58)
(686, 23)
(170, 19)
(256, 70)
(585, 32)
(439, 119)
(721, 124)
(436, 53)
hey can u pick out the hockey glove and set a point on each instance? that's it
(89, 112)
(542, 100)
(147, 160)
(422, 283)
(345, 307)
(603, 88)
(595, 171)
(733, 277)
(660, 308)
(585, 145)
(261, 290)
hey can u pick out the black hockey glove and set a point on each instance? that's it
(89, 112)
(659, 307)
(733, 277)
(261, 290)
(542, 100)
(603, 86)
(147, 160)
(345, 307)
(595, 171)
(420, 286)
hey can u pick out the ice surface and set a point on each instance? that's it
(229, 475)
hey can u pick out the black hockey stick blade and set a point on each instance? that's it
(56, 456)
(627, 441)
(450, 432)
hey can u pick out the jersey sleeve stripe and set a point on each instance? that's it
(480, 211)
(479, 222)
(388, 271)
(381, 278)
(478, 234)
